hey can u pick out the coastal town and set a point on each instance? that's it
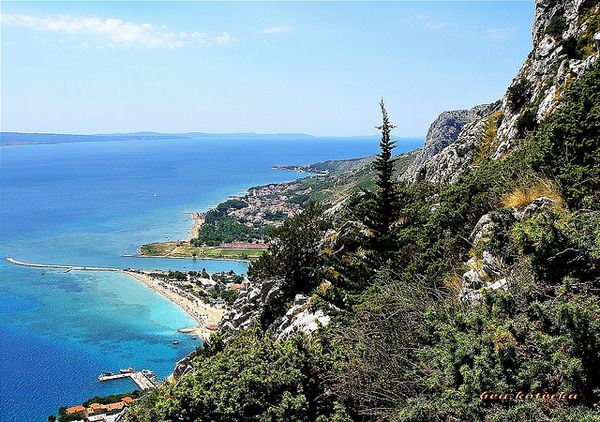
(96, 412)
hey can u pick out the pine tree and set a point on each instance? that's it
(386, 202)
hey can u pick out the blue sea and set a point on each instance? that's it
(88, 203)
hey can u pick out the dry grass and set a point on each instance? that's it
(488, 143)
(524, 195)
(453, 282)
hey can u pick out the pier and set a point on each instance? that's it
(66, 267)
(143, 379)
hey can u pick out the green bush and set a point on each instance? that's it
(518, 94)
(251, 378)
(566, 146)
(557, 25)
(526, 122)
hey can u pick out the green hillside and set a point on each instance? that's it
(403, 345)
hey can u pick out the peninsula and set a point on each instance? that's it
(237, 229)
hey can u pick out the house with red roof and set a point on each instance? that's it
(75, 409)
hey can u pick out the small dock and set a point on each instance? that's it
(143, 379)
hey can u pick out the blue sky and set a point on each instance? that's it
(312, 67)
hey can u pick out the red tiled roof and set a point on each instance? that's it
(127, 399)
(238, 286)
(115, 406)
(78, 408)
(244, 246)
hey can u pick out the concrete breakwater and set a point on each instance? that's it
(67, 267)
(204, 315)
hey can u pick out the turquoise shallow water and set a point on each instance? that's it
(87, 204)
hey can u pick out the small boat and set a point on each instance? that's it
(194, 338)
(105, 374)
(175, 342)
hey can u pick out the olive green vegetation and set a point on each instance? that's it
(347, 177)
(183, 249)
(401, 345)
(219, 228)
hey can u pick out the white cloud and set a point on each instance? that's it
(276, 30)
(116, 31)
(426, 22)
(500, 33)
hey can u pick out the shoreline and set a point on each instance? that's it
(202, 314)
(198, 221)
(185, 257)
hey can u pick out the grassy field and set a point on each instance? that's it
(183, 249)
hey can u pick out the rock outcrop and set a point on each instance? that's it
(444, 165)
(248, 306)
(250, 303)
(299, 318)
(184, 366)
(566, 43)
(489, 271)
(442, 132)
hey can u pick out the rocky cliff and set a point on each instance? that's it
(566, 41)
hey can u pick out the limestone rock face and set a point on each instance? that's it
(442, 132)
(300, 318)
(184, 366)
(548, 68)
(453, 137)
(250, 303)
(445, 165)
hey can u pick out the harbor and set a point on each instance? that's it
(144, 379)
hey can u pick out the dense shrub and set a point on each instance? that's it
(566, 146)
(252, 378)
(526, 122)
(223, 229)
(517, 94)
(557, 25)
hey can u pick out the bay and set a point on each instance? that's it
(87, 204)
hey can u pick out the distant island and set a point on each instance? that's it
(25, 138)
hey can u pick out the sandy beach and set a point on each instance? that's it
(203, 314)
(198, 219)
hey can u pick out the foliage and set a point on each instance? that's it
(384, 210)
(517, 94)
(567, 144)
(228, 295)
(222, 229)
(114, 398)
(251, 378)
(526, 122)
(557, 25)
(293, 256)
(489, 141)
